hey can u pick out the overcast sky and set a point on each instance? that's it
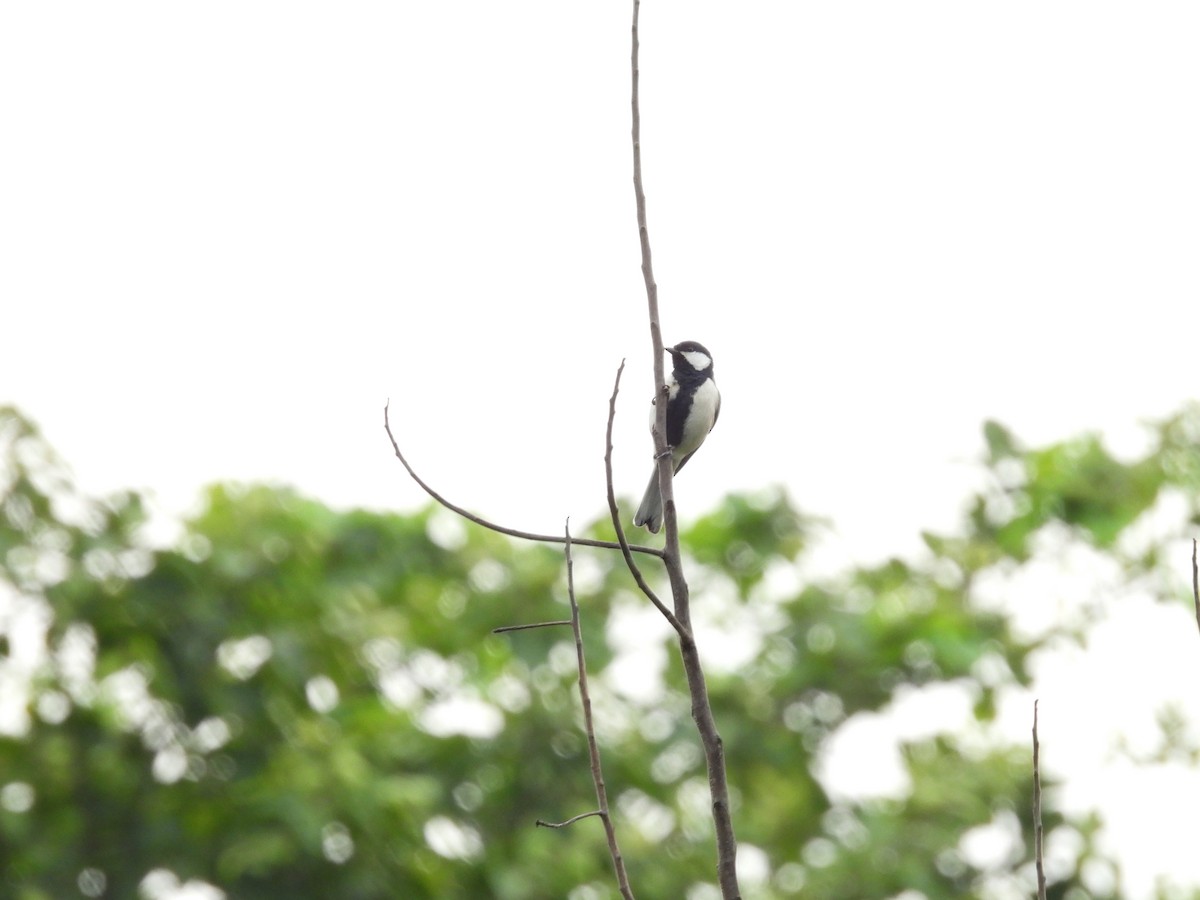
(230, 231)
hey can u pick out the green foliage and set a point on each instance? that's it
(294, 701)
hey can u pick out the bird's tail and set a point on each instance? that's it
(650, 513)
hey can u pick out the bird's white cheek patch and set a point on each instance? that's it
(697, 360)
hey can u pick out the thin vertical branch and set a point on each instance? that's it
(714, 751)
(610, 831)
(1038, 831)
(665, 469)
(1195, 583)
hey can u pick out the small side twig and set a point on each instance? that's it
(1038, 830)
(542, 823)
(585, 697)
(506, 628)
(615, 512)
(1196, 582)
(511, 532)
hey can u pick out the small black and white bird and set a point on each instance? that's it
(693, 404)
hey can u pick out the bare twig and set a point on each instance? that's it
(541, 823)
(511, 532)
(589, 727)
(1038, 831)
(503, 629)
(1196, 583)
(714, 752)
(615, 512)
(585, 698)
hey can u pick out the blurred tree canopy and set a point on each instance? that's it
(294, 701)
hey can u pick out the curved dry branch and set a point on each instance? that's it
(615, 512)
(511, 532)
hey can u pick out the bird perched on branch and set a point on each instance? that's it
(693, 404)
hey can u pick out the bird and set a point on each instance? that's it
(693, 404)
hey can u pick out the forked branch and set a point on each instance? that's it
(680, 617)
(615, 513)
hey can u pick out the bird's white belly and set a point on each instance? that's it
(703, 414)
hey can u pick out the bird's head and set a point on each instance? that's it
(691, 358)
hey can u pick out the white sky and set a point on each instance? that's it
(229, 231)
